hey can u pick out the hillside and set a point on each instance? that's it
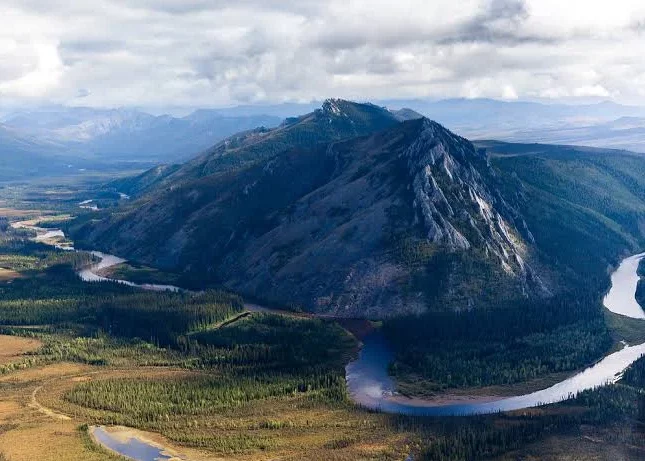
(356, 227)
(320, 214)
(583, 205)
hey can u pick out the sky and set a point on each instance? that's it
(213, 53)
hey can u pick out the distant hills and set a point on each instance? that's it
(70, 139)
(128, 134)
(604, 124)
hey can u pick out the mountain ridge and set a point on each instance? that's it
(328, 222)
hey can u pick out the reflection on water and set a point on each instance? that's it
(370, 385)
(107, 261)
(624, 281)
(124, 443)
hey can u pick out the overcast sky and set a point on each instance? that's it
(161, 53)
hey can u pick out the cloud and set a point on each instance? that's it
(591, 90)
(214, 52)
(44, 74)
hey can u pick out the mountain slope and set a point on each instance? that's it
(22, 157)
(337, 119)
(356, 227)
(585, 206)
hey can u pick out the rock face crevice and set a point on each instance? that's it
(454, 198)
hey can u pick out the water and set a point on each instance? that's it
(49, 234)
(106, 261)
(620, 298)
(90, 274)
(45, 236)
(128, 445)
(370, 385)
(88, 205)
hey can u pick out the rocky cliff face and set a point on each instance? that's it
(451, 187)
(405, 219)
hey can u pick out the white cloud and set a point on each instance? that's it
(593, 90)
(216, 52)
(39, 77)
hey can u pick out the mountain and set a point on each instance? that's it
(129, 134)
(343, 210)
(335, 120)
(21, 156)
(348, 211)
(598, 124)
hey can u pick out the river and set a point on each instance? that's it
(91, 274)
(370, 385)
(622, 300)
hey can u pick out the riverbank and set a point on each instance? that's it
(371, 386)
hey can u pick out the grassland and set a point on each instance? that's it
(12, 347)
(7, 275)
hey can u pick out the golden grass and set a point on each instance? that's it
(13, 213)
(312, 432)
(40, 374)
(7, 275)
(28, 434)
(13, 347)
(44, 440)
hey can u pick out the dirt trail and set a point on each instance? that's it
(33, 403)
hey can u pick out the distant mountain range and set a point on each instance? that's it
(59, 139)
(128, 134)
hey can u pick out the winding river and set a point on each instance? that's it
(369, 383)
(91, 274)
(620, 299)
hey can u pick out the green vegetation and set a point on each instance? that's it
(138, 273)
(583, 209)
(235, 383)
(502, 346)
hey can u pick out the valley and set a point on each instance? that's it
(402, 279)
(368, 380)
(90, 379)
(322, 230)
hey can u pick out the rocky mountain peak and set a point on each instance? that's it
(333, 107)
